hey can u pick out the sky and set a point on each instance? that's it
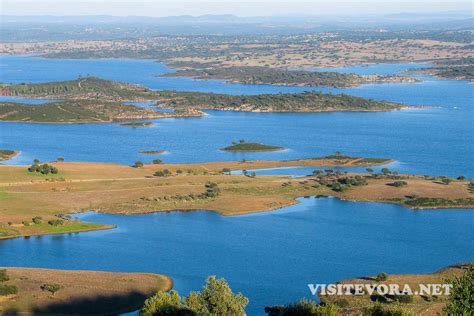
(159, 8)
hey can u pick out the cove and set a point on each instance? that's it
(270, 257)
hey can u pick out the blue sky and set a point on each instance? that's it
(240, 8)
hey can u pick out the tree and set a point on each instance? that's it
(385, 171)
(462, 294)
(446, 180)
(51, 288)
(60, 158)
(226, 171)
(461, 178)
(138, 164)
(37, 219)
(164, 303)
(216, 298)
(382, 276)
(370, 170)
(157, 161)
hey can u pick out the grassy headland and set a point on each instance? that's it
(283, 77)
(79, 292)
(416, 304)
(114, 188)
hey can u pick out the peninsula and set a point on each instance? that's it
(46, 291)
(34, 203)
(96, 100)
(417, 304)
(284, 77)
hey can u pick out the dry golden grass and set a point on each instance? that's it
(114, 188)
(90, 292)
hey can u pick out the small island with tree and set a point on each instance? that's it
(6, 154)
(244, 146)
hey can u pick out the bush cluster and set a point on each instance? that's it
(44, 168)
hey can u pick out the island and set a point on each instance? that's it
(36, 203)
(285, 77)
(92, 99)
(137, 124)
(153, 152)
(7, 154)
(46, 291)
(244, 146)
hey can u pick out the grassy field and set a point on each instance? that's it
(114, 188)
(418, 304)
(81, 292)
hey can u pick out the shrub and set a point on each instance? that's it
(157, 161)
(406, 299)
(399, 184)
(3, 275)
(51, 288)
(382, 276)
(6, 289)
(37, 219)
(304, 307)
(379, 309)
(137, 164)
(60, 158)
(56, 222)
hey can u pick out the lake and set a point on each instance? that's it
(270, 257)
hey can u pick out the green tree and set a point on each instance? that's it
(216, 298)
(382, 276)
(157, 161)
(370, 170)
(138, 164)
(164, 303)
(462, 294)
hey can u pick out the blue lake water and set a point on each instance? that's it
(269, 256)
